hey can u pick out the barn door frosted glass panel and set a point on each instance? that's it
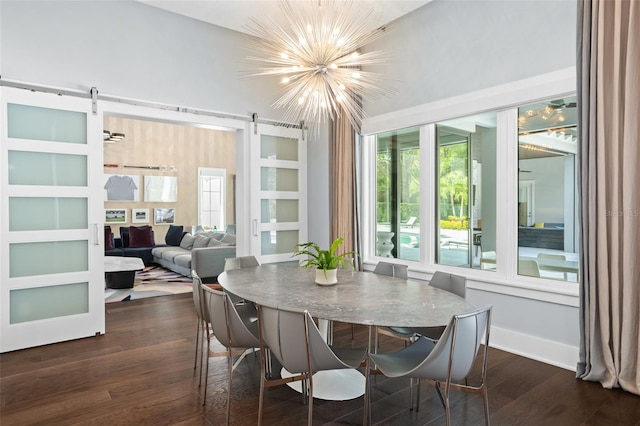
(279, 179)
(42, 168)
(47, 213)
(279, 148)
(54, 257)
(33, 304)
(46, 124)
(278, 211)
(279, 242)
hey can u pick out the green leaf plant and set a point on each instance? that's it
(323, 259)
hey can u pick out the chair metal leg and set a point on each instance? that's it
(447, 409)
(366, 409)
(485, 396)
(418, 398)
(310, 413)
(230, 362)
(410, 393)
(198, 332)
(206, 374)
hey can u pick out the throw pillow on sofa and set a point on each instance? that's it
(229, 239)
(174, 235)
(200, 241)
(124, 236)
(108, 239)
(141, 236)
(187, 241)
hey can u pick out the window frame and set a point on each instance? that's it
(504, 100)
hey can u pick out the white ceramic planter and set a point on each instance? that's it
(330, 279)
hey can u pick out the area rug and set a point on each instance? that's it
(151, 282)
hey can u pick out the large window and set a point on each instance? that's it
(466, 203)
(547, 145)
(398, 195)
(211, 197)
(496, 192)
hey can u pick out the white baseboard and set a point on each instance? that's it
(543, 350)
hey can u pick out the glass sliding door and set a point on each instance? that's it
(279, 201)
(466, 194)
(547, 206)
(453, 197)
(51, 269)
(398, 194)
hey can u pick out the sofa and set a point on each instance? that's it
(134, 241)
(204, 252)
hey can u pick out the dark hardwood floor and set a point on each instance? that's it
(141, 373)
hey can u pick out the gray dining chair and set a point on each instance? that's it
(234, 327)
(294, 340)
(241, 262)
(390, 270)
(202, 326)
(444, 363)
(455, 284)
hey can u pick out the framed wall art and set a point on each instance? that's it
(139, 215)
(115, 216)
(161, 189)
(121, 188)
(164, 216)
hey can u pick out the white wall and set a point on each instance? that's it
(448, 48)
(129, 49)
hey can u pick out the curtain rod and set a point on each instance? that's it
(81, 94)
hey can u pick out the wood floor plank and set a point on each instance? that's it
(141, 373)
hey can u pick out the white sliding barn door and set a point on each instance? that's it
(279, 192)
(51, 219)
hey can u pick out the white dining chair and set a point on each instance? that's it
(528, 267)
(542, 256)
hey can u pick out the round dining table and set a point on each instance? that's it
(358, 298)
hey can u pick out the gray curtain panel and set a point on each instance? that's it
(608, 69)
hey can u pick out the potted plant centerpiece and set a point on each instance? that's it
(326, 262)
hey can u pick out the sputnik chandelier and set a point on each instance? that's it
(316, 56)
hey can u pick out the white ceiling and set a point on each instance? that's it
(236, 14)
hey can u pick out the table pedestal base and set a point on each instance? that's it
(333, 385)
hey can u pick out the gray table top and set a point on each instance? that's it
(358, 298)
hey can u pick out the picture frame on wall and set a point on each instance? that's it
(121, 187)
(139, 215)
(115, 216)
(163, 216)
(161, 189)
